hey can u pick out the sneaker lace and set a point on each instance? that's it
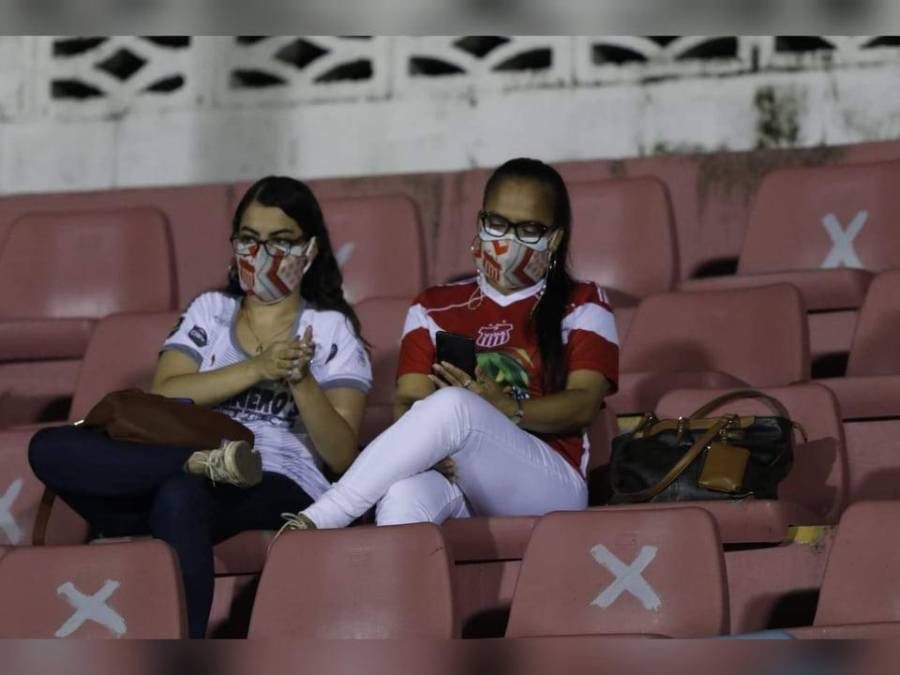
(216, 470)
(292, 521)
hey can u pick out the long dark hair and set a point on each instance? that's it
(548, 315)
(321, 284)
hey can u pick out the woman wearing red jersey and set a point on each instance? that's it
(511, 441)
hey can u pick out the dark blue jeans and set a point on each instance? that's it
(130, 489)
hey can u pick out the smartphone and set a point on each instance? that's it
(456, 349)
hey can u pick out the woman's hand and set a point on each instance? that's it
(307, 352)
(284, 359)
(449, 375)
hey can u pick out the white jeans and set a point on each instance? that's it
(501, 469)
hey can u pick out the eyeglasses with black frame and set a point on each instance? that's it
(245, 244)
(527, 231)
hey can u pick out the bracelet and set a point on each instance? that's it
(517, 416)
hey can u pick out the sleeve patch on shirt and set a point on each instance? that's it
(198, 336)
(332, 353)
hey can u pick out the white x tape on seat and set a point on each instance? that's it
(344, 253)
(8, 522)
(91, 608)
(842, 253)
(628, 578)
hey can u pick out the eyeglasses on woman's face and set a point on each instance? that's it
(496, 226)
(247, 244)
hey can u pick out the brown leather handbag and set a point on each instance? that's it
(138, 417)
(703, 458)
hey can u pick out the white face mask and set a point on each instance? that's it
(511, 264)
(272, 278)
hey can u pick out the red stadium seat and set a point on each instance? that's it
(871, 388)
(366, 582)
(615, 223)
(80, 266)
(197, 215)
(721, 339)
(130, 590)
(860, 596)
(623, 237)
(382, 326)
(773, 587)
(122, 354)
(815, 490)
(823, 229)
(657, 572)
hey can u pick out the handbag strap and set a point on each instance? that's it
(649, 493)
(39, 534)
(773, 403)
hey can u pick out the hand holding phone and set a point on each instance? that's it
(458, 350)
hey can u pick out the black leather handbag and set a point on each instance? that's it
(704, 458)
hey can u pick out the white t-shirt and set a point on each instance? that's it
(206, 333)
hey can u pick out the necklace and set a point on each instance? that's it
(260, 347)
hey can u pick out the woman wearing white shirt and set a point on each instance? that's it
(279, 351)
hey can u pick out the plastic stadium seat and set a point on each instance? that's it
(824, 229)
(128, 590)
(20, 496)
(871, 387)
(81, 266)
(860, 595)
(712, 339)
(366, 582)
(623, 237)
(657, 572)
(382, 325)
(122, 354)
(777, 585)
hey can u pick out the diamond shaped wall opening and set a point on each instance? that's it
(300, 53)
(121, 64)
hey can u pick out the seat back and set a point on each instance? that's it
(657, 572)
(366, 582)
(759, 335)
(122, 354)
(874, 348)
(825, 217)
(818, 477)
(129, 590)
(87, 264)
(860, 584)
(379, 246)
(20, 497)
(382, 325)
(623, 237)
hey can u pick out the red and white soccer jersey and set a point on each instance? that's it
(507, 348)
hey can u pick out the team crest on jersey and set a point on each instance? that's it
(494, 335)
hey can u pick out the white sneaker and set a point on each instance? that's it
(235, 463)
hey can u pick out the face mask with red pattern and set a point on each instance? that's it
(271, 278)
(509, 263)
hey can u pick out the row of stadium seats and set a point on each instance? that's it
(645, 572)
(838, 465)
(721, 340)
(825, 230)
